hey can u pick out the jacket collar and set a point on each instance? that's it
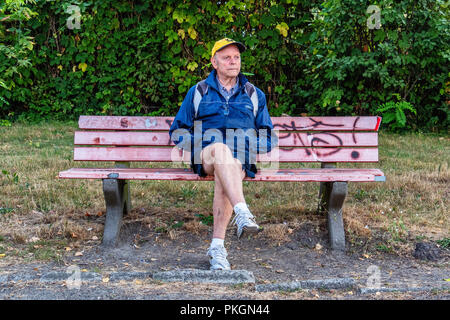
(212, 82)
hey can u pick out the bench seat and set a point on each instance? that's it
(293, 175)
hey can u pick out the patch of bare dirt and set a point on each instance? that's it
(284, 252)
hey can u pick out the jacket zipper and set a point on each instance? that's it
(227, 110)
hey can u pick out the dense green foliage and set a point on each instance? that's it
(141, 57)
(404, 63)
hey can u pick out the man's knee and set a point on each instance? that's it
(218, 153)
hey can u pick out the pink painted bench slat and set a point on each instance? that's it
(157, 154)
(287, 139)
(294, 175)
(280, 123)
(325, 140)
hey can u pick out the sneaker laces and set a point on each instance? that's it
(240, 218)
(218, 258)
(218, 252)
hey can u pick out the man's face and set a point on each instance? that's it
(227, 62)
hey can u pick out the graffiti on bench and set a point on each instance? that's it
(313, 139)
(310, 141)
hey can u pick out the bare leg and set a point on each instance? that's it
(228, 174)
(222, 211)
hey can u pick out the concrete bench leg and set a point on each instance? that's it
(126, 187)
(116, 194)
(332, 199)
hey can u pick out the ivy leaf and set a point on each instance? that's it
(379, 35)
(192, 33)
(251, 41)
(192, 66)
(82, 66)
(30, 45)
(181, 33)
(283, 29)
(179, 16)
(171, 36)
(404, 43)
(277, 10)
(393, 35)
(267, 19)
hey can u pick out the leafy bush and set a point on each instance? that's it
(141, 57)
(394, 113)
(364, 67)
(15, 47)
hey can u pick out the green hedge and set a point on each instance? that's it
(141, 57)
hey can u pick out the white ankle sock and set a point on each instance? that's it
(241, 206)
(216, 242)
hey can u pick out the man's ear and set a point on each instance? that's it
(214, 62)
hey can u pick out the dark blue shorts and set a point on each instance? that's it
(250, 170)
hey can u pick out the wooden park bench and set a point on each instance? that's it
(327, 140)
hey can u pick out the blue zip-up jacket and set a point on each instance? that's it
(218, 119)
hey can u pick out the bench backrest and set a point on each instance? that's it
(301, 139)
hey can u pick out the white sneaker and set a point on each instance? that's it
(245, 222)
(218, 258)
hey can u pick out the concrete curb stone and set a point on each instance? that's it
(129, 276)
(337, 283)
(364, 291)
(213, 277)
(63, 276)
(206, 276)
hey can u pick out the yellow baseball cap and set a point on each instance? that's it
(219, 45)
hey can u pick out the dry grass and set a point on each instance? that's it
(412, 203)
(195, 227)
(276, 233)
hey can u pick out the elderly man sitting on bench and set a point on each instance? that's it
(215, 113)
